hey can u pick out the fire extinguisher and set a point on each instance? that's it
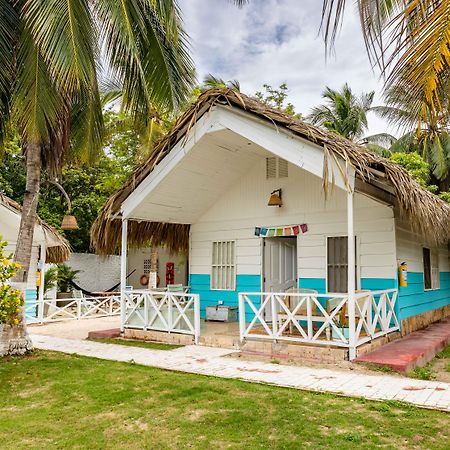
(403, 274)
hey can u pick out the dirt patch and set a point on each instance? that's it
(242, 369)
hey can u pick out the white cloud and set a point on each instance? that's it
(275, 41)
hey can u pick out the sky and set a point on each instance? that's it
(276, 41)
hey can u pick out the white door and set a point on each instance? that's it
(280, 265)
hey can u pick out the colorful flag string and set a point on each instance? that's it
(291, 230)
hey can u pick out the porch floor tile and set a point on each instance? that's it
(415, 349)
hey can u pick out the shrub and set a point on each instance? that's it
(11, 300)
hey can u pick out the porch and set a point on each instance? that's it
(291, 318)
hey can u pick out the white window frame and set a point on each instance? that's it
(229, 265)
(357, 260)
(434, 270)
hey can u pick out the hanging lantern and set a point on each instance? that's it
(69, 223)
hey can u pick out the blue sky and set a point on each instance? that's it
(275, 41)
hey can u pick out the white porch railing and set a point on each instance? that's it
(320, 319)
(51, 310)
(171, 312)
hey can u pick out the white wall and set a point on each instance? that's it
(244, 206)
(409, 249)
(96, 273)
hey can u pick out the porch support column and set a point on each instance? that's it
(351, 274)
(41, 292)
(123, 273)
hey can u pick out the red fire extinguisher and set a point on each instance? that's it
(170, 273)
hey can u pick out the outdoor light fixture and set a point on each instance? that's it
(275, 198)
(69, 222)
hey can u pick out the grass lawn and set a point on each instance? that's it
(437, 369)
(136, 343)
(51, 400)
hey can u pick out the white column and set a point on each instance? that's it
(123, 272)
(351, 275)
(41, 292)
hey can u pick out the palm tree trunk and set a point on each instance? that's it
(153, 267)
(29, 209)
(15, 339)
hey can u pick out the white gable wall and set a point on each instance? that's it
(244, 206)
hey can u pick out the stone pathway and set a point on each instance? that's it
(211, 361)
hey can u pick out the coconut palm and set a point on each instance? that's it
(424, 130)
(343, 113)
(408, 39)
(50, 53)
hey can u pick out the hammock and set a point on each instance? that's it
(91, 294)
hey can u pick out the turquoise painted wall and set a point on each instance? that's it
(201, 284)
(30, 300)
(413, 299)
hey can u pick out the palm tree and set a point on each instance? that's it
(423, 129)
(343, 113)
(408, 39)
(51, 52)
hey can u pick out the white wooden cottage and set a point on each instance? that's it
(334, 205)
(48, 246)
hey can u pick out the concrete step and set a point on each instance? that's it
(415, 349)
(102, 334)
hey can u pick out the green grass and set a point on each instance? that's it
(51, 400)
(423, 373)
(444, 353)
(136, 343)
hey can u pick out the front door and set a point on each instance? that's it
(279, 266)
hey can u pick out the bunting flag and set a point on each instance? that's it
(292, 230)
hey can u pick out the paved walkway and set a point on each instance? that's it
(415, 349)
(211, 361)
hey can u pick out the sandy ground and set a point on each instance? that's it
(75, 329)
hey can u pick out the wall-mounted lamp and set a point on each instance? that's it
(275, 198)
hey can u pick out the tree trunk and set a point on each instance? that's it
(15, 339)
(153, 277)
(29, 208)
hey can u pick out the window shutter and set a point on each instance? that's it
(276, 168)
(426, 268)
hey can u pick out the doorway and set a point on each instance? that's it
(279, 265)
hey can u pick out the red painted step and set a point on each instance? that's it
(112, 333)
(415, 349)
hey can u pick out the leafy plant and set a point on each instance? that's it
(11, 300)
(66, 276)
(50, 279)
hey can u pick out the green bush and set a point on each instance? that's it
(11, 300)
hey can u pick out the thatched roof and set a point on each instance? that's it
(58, 248)
(427, 213)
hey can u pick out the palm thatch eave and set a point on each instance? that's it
(426, 212)
(59, 251)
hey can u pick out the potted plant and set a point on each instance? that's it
(66, 276)
(13, 336)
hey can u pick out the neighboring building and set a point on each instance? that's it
(206, 188)
(48, 245)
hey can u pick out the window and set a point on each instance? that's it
(276, 168)
(223, 273)
(430, 269)
(337, 264)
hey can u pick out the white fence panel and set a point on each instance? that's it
(51, 310)
(171, 312)
(320, 319)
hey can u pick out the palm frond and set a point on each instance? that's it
(65, 35)
(36, 102)
(9, 20)
(147, 50)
